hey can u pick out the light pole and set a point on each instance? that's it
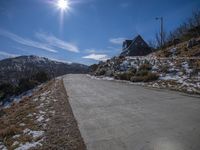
(161, 30)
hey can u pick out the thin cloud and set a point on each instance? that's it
(57, 43)
(98, 57)
(26, 42)
(90, 51)
(5, 54)
(117, 41)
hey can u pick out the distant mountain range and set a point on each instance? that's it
(13, 69)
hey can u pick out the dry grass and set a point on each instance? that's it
(181, 50)
(145, 78)
(13, 117)
(9, 131)
(61, 131)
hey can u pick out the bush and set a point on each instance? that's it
(124, 76)
(142, 73)
(93, 68)
(101, 72)
(164, 69)
(1, 95)
(132, 70)
(8, 131)
(6, 90)
(145, 66)
(25, 85)
(137, 79)
(151, 77)
(145, 78)
(41, 77)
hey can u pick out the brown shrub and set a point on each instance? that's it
(146, 78)
(124, 76)
(164, 69)
(145, 66)
(142, 73)
(8, 131)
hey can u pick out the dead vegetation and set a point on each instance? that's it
(62, 129)
(14, 121)
(46, 111)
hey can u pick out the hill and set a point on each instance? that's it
(175, 67)
(13, 69)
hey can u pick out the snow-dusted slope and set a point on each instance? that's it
(13, 69)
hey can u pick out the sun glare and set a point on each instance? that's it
(63, 4)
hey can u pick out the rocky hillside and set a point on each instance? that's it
(176, 67)
(13, 69)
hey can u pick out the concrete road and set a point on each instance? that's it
(118, 116)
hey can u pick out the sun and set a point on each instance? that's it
(63, 4)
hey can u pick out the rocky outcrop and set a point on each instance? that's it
(173, 73)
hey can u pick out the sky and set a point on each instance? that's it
(87, 31)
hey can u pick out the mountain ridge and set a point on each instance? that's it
(13, 69)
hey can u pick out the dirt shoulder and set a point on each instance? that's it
(41, 121)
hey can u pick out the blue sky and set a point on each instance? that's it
(91, 30)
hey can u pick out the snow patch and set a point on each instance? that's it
(28, 145)
(34, 134)
(22, 124)
(16, 136)
(2, 146)
(16, 99)
(40, 118)
(15, 143)
(42, 112)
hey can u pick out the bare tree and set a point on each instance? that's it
(152, 44)
(188, 29)
(158, 39)
(171, 36)
(196, 17)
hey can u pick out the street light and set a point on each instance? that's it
(161, 30)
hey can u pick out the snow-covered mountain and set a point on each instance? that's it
(13, 69)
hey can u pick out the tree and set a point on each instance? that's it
(25, 84)
(6, 90)
(93, 68)
(196, 18)
(158, 39)
(152, 44)
(41, 77)
(187, 30)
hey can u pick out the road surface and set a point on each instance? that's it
(119, 116)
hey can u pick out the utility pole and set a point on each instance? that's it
(161, 31)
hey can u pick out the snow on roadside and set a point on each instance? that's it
(28, 145)
(175, 73)
(182, 84)
(34, 124)
(16, 99)
(34, 134)
(2, 146)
